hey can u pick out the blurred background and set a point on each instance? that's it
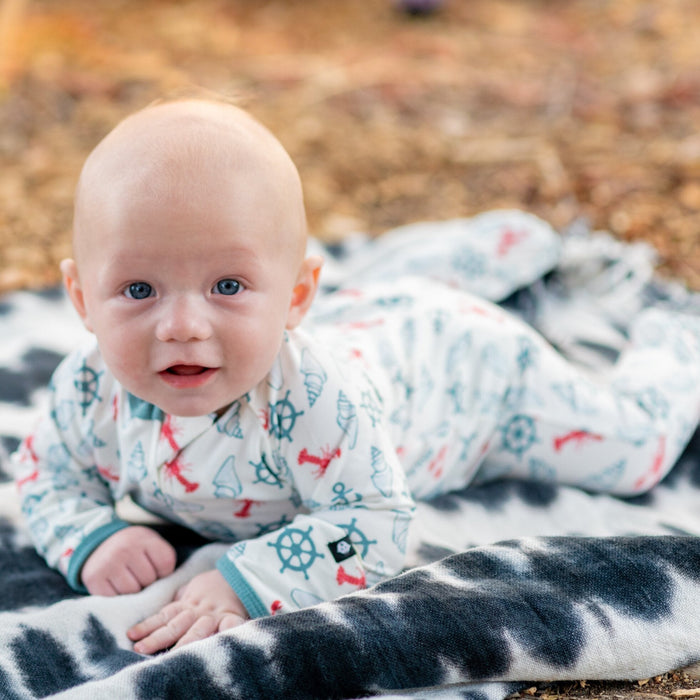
(564, 108)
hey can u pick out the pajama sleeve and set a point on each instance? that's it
(65, 498)
(354, 508)
(338, 547)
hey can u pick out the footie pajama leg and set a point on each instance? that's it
(618, 433)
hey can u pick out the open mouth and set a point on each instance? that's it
(187, 376)
(186, 370)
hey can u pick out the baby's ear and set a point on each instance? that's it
(304, 290)
(71, 280)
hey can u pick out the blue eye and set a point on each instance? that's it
(138, 290)
(228, 287)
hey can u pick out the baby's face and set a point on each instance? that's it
(189, 301)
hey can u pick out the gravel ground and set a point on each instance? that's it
(584, 108)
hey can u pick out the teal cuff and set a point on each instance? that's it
(86, 548)
(249, 598)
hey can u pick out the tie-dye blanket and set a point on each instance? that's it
(509, 582)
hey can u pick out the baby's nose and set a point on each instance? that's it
(183, 319)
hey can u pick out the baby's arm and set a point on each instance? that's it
(249, 581)
(128, 561)
(64, 469)
(204, 606)
(354, 535)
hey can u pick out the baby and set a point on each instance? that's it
(204, 399)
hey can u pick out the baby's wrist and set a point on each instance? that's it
(85, 550)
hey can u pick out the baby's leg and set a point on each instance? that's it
(491, 254)
(619, 433)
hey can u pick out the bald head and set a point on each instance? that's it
(190, 151)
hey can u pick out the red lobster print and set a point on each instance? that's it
(344, 577)
(264, 419)
(275, 607)
(167, 432)
(654, 474)
(107, 473)
(323, 461)
(508, 240)
(31, 477)
(28, 447)
(350, 292)
(477, 310)
(244, 511)
(484, 448)
(361, 325)
(436, 465)
(175, 467)
(576, 436)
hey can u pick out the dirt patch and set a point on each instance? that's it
(584, 108)
(678, 685)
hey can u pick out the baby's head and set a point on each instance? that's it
(189, 244)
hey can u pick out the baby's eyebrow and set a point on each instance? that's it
(241, 257)
(226, 261)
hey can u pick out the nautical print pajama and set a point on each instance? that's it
(476, 394)
(390, 392)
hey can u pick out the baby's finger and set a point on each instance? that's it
(142, 570)
(231, 620)
(99, 586)
(153, 622)
(202, 628)
(164, 637)
(123, 581)
(163, 558)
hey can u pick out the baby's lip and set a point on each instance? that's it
(186, 370)
(186, 376)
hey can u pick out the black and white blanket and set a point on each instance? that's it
(509, 582)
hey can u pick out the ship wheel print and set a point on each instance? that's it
(264, 473)
(359, 540)
(87, 382)
(296, 550)
(283, 416)
(519, 434)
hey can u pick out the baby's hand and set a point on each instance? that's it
(128, 561)
(204, 606)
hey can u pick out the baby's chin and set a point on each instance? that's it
(194, 412)
(187, 408)
(187, 403)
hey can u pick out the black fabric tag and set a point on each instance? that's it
(342, 549)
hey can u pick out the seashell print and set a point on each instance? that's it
(314, 376)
